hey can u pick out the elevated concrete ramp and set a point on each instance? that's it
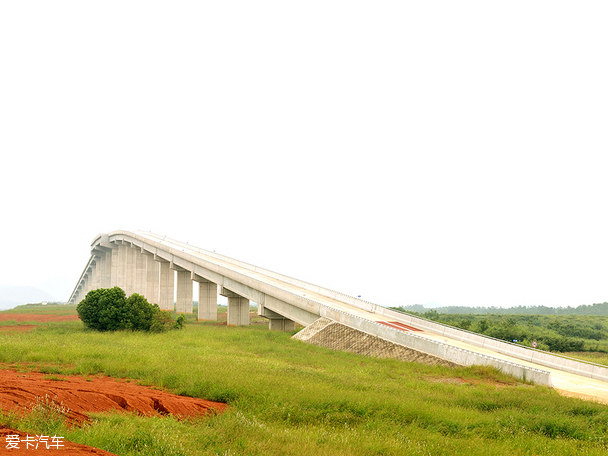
(327, 333)
(146, 263)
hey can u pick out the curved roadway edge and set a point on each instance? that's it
(304, 303)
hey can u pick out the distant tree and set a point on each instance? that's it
(464, 324)
(431, 315)
(483, 326)
(108, 309)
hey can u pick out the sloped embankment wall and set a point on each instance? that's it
(331, 334)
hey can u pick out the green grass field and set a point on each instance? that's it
(290, 398)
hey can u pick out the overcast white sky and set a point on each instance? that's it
(409, 152)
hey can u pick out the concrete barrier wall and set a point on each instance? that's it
(516, 351)
(445, 351)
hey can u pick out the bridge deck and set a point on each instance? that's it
(566, 382)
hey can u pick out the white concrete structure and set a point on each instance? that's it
(144, 263)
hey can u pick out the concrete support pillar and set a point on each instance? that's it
(152, 276)
(166, 287)
(121, 279)
(276, 322)
(87, 282)
(115, 271)
(238, 311)
(207, 301)
(281, 324)
(78, 296)
(140, 273)
(183, 303)
(95, 275)
(106, 277)
(130, 271)
(101, 264)
(238, 308)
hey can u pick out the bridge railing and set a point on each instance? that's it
(553, 360)
(455, 354)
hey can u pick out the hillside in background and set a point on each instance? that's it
(592, 309)
(14, 296)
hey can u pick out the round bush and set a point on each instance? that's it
(108, 309)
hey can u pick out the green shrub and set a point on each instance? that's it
(108, 309)
(179, 322)
(162, 321)
(102, 309)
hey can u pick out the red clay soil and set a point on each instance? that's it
(19, 392)
(18, 328)
(40, 318)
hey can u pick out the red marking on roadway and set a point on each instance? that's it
(397, 325)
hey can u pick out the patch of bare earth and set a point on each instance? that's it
(17, 328)
(19, 391)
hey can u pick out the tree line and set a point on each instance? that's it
(584, 309)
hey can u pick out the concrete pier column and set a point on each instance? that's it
(103, 261)
(166, 287)
(276, 322)
(130, 271)
(87, 282)
(121, 276)
(95, 275)
(183, 303)
(207, 299)
(281, 324)
(238, 308)
(152, 280)
(115, 268)
(140, 273)
(78, 296)
(106, 276)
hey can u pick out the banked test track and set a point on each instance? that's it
(163, 270)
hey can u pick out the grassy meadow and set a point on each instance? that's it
(290, 398)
